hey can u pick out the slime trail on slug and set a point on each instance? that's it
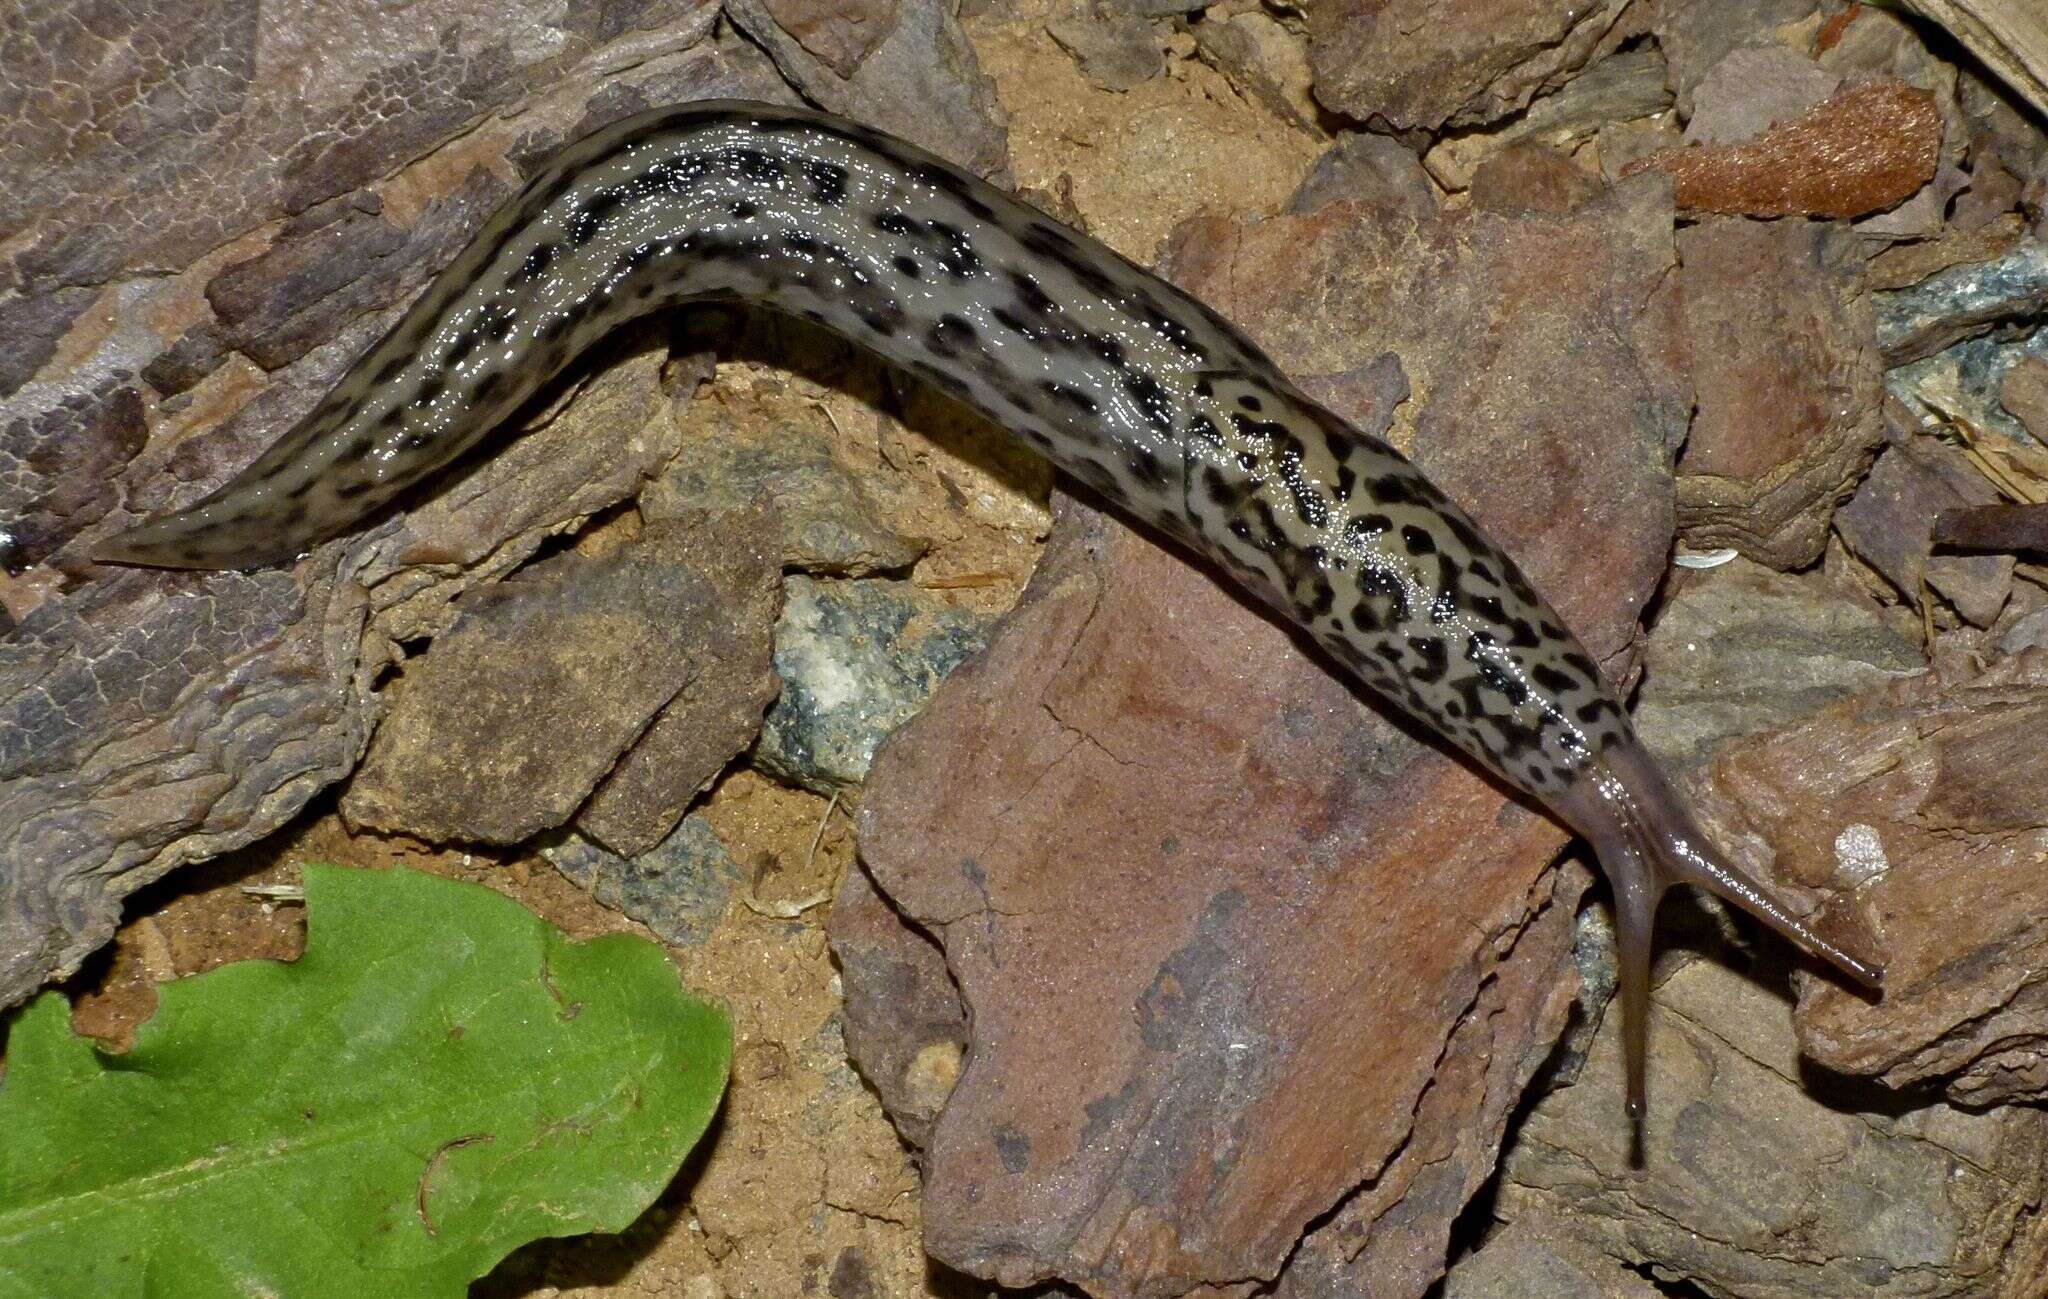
(1120, 379)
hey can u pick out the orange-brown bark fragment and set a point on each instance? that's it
(1862, 150)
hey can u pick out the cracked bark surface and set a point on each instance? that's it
(1926, 791)
(1764, 1181)
(147, 720)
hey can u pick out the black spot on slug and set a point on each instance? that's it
(584, 223)
(895, 223)
(950, 333)
(535, 265)
(885, 318)
(1152, 401)
(1033, 298)
(1069, 396)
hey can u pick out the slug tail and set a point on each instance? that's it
(213, 534)
(1648, 843)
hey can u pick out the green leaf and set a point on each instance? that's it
(439, 1079)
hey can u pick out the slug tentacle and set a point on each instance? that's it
(1123, 381)
(1648, 842)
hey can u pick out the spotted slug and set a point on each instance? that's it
(1125, 383)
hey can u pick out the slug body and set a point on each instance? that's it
(1121, 380)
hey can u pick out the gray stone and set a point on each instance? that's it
(1967, 380)
(1754, 88)
(2030, 632)
(1696, 35)
(857, 659)
(1115, 50)
(1364, 167)
(827, 521)
(1265, 62)
(679, 888)
(1962, 302)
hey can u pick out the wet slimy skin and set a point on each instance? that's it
(1121, 380)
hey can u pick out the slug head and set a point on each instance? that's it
(1647, 842)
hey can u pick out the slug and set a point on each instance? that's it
(1125, 383)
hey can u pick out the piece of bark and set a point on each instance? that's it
(2009, 529)
(2003, 132)
(1755, 88)
(1751, 1184)
(1994, 194)
(2024, 392)
(1620, 88)
(1115, 752)
(905, 1023)
(59, 467)
(714, 717)
(1889, 525)
(1538, 1259)
(1931, 788)
(1133, 722)
(1431, 63)
(148, 721)
(1865, 149)
(302, 290)
(512, 717)
(1789, 382)
(32, 324)
(1740, 649)
(921, 80)
(1696, 35)
(2010, 39)
(146, 145)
